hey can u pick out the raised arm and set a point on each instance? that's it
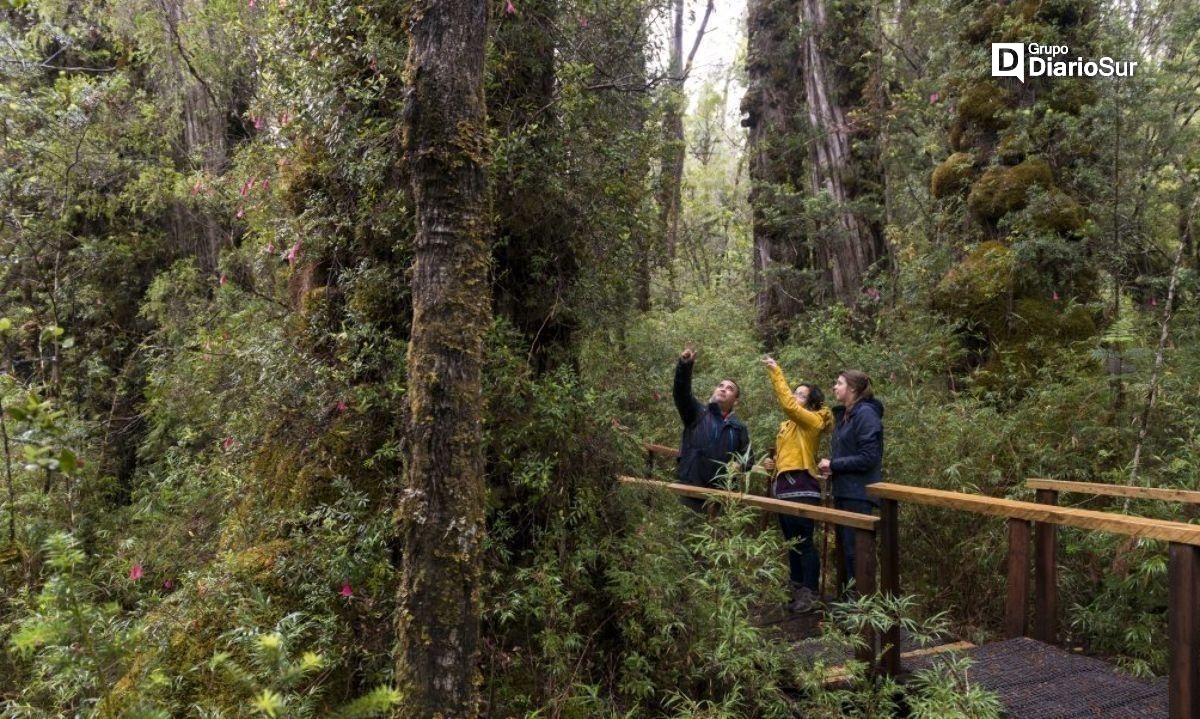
(687, 404)
(787, 402)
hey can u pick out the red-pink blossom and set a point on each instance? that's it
(135, 572)
(341, 405)
(1055, 296)
(240, 213)
(294, 252)
(347, 590)
(270, 247)
(1154, 302)
(510, 8)
(222, 281)
(197, 187)
(227, 443)
(168, 584)
(583, 22)
(934, 98)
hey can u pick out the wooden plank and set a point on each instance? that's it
(1183, 630)
(769, 504)
(864, 582)
(1030, 511)
(661, 450)
(1018, 578)
(1116, 490)
(889, 579)
(1045, 579)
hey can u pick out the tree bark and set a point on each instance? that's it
(849, 242)
(440, 512)
(783, 259)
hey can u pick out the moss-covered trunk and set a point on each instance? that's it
(441, 510)
(850, 240)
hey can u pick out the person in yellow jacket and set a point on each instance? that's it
(797, 479)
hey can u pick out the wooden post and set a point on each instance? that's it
(1018, 578)
(864, 581)
(1183, 630)
(1045, 581)
(889, 578)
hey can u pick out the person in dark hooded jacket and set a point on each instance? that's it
(857, 450)
(712, 435)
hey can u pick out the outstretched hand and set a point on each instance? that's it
(687, 356)
(770, 362)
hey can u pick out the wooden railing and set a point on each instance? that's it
(1185, 496)
(864, 526)
(1183, 572)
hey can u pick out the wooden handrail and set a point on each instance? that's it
(769, 504)
(1116, 490)
(661, 450)
(1050, 514)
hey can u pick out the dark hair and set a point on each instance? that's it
(816, 400)
(858, 381)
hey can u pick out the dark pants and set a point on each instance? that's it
(804, 564)
(846, 534)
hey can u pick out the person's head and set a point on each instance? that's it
(852, 386)
(726, 394)
(809, 397)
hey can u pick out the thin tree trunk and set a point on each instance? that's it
(1159, 355)
(440, 512)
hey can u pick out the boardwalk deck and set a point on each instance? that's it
(1038, 681)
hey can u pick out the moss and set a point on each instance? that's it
(1004, 189)
(984, 26)
(256, 564)
(1056, 210)
(1071, 97)
(952, 175)
(1012, 149)
(983, 104)
(984, 275)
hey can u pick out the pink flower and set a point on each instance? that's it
(873, 294)
(240, 213)
(245, 189)
(283, 118)
(583, 22)
(222, 281)
(168, 584)
(341, 405)
(135, 572)
(227, 443)
(347, 591)
(251, 4)
(258, 123)
(1055, 296)
(934, 98)
(197, 187)
(270, 247)
(293, 253)
(510, 8)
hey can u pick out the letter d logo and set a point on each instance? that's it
(1008, 60)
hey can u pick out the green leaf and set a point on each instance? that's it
(269, 703)
(66, 461)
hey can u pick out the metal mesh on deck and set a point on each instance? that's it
(1037, 681)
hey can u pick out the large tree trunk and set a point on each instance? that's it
(441, 512)
(849, 242)
(783, 258)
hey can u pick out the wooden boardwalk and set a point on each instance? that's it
(1037, 681)
(1033, 678)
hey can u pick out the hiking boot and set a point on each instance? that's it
(803, 601)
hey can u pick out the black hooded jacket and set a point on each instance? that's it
(709, 440)
(857, 449)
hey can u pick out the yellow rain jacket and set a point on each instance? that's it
(799, 435)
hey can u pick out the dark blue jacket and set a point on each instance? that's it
(709, 440)
(857, 449)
